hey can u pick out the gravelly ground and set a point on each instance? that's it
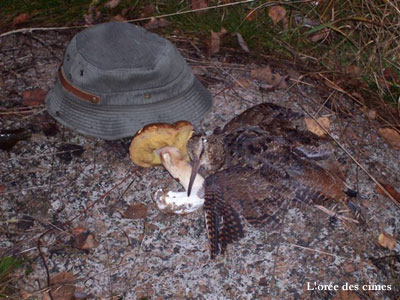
(159, 256)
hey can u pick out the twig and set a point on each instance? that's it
(45, 265)
(29, 188)
(45, 154)
(333, 214)
(322, 252)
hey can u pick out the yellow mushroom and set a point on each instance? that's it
(166, 144)
(156, 136)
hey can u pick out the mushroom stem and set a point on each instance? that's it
(180, 169)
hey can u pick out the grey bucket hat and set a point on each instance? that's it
(118, 77)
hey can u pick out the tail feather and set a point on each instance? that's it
(222, 221)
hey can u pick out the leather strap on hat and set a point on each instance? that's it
(75, 91)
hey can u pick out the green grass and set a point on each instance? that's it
(7, 266)
(362, 33)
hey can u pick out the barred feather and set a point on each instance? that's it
(270, 163)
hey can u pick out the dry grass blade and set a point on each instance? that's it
(322, 252)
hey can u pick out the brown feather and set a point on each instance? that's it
(265, 162)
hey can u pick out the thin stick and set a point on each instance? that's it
(322, 252)
(45, 265)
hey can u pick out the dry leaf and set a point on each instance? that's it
(371, 114)
(22, 18)
(314, 127)
(277, 13)
(88, 18)
(242, 43)
(349, 268)
(92, 12)
(148, 10)
(273, 80)
(391, 190)
(83, 239)
(197, 4)
(353, 71)
(252, 15)
(346, 295)
(112, 4)
(243, 83)
(392, 137)
(156, 23)
(34, 97)
(1, 188)
(62, 287)
(387, 241)
(320, 35)
(118, 18)
(136, 211)
(214, 43)
(391, 75)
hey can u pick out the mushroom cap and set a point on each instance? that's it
(156, 136)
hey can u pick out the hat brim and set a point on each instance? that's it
(115, 122)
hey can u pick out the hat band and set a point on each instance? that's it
(75, 91)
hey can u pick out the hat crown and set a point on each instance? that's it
(112, 47)
(126, 59)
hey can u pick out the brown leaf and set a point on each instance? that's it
(346, 295)
(88, 18)
(34, 97)
(90, 243)
(314, 127)
(387, 241)
(112, 3)
(62, 287)
(148, 10)
(118, 18)
(392, 137)
(353, 71)
(214, 43)
(273, 80)
(371, 114)
(136, 211)
(391, 75)
(22, 18)
(277, 13)
(1, 188)
(156, 23)
(197, 4)
(252, 15)
(391, 190)
(242, 42)
(320, 35)
(243, 83)
(83, 239)
(349, 268)
(92, 12)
